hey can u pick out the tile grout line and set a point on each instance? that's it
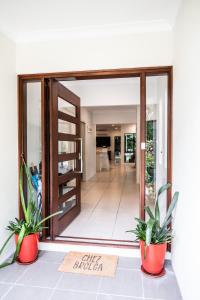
(13, 284)
(99, 286)
(54, 289)
(127, 296)
(7, 292)
(124, 179)
(100, 198)
(142, 285)
(16, 281)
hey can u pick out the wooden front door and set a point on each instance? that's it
(65, 156)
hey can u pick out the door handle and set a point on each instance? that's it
(80, 156)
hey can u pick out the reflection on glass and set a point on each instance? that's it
(66, 147)
(66, 127)
(67, 205)
(66, 167)
(66, 107)
(67, 187)
(156, 139)
(129, 147)
(34, 145)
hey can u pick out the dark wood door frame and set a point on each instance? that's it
(94, 74)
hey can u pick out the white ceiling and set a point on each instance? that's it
(108, 127)
(113, 108)
(32, 20)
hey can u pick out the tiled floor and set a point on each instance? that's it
(42, 281)
(110, 201)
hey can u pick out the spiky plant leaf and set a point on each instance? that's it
(150, 224)
(170, 209)
(148, 210)
(157, 209)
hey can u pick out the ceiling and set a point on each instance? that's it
(112, 108)
(32, 20)
(108, 127)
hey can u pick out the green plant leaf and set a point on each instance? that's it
(140, 221)
(170, 209)
(157, 210)
(6, 242)
(49, 217)
(150, 224)
(22, 193)
(148, 210)
(163, 188)
(20, 239)
(19, 242)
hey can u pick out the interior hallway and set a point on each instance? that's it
(110, 201)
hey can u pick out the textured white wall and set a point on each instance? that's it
(186, 154)
(130, 50)
(8, 134)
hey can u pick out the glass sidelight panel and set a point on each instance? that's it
(34, 144)
(156, 139)
(66, 107)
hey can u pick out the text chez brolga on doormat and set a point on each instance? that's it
(89, 264)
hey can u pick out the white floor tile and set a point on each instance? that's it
(110, 201)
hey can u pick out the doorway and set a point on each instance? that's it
(117, 149)
(130, 147)
(46, 94)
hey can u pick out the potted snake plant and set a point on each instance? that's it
(154, 236)
(26, 230)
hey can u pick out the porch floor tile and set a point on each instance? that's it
(42, 280)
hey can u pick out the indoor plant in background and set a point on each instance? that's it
(27, 230)
(154, 236)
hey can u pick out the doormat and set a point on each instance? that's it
(89, 264)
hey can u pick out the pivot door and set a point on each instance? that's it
(65, 156)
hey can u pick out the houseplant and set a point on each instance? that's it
(154, 236)
(27, 230)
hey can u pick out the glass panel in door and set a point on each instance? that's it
(65, 156)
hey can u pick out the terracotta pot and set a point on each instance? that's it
(29, 248)
(153, 263)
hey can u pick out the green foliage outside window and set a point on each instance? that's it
(150, 160)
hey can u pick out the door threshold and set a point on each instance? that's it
(66, 246)
(98, 241)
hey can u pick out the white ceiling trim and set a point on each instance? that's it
(92, 31)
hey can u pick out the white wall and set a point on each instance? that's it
(113, 116)
(186, 154)
(131, 50)
(90, 144)
(8, 133)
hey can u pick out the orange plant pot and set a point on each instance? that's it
(29, 248)
(153, 263)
